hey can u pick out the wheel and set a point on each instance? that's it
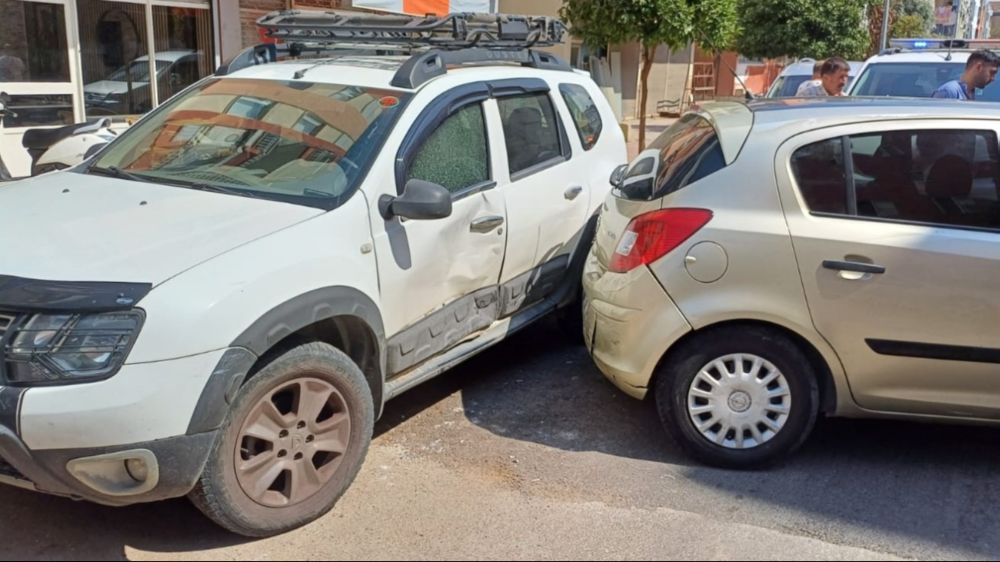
(293, 442)
(738, 397)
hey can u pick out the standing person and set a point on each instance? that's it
(815, 82)
(833, 79)
(980, 71)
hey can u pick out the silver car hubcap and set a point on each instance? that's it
(739, 401)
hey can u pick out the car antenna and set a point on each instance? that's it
(746, 91)
(951, 45)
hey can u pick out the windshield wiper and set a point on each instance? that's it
(116, 172)
(219, 189)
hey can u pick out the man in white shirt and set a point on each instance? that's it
(833, 79)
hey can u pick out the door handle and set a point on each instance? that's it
(483, 225)
(573, 192)
(854, 267)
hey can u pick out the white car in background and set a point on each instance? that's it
(126, 90)
(915, 68)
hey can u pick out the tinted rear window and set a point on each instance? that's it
(684, 154)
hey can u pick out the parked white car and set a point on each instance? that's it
(222, 301)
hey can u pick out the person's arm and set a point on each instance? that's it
(945, 92)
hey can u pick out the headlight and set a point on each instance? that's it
(67, 349)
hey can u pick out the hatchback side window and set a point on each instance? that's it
(531, 129)
(940, 177)
(456, 155)
(821, 175)
(586, 115)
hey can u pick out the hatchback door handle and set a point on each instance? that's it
(573, 192)
(486, 224)
(853, 266)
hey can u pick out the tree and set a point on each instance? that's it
(919, 10)
(715, 26)
(908, 26)
(650, 22)
(803, 28)
(711, 24)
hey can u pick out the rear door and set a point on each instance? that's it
(897, 233)
(546, 190)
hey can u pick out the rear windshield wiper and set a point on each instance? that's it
(116, 172)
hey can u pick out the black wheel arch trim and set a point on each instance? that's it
(311, 308)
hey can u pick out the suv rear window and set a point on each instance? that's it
(684, 154)
(586, 116)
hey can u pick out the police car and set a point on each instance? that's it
(918, 67)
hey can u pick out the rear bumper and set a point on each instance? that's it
(100, 475)
(629, 324)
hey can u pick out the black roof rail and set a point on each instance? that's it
(423, 67)
(259, 54)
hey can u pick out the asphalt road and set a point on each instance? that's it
(526, 452)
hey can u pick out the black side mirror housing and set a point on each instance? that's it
(618, 176)
(421, 200)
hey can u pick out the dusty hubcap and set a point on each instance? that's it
(739, 401)
(292, 442)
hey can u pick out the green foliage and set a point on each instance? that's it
(651, 22)
(715, 23)
(803, 28)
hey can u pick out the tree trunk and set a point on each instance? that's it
(648, 52)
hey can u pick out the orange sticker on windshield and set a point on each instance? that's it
(389, 101)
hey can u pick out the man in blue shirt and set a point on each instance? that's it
(980, 71)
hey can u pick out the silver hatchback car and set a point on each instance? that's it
(761, 264)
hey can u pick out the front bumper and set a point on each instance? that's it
(88, 474)
(143, 435)
(629, 324)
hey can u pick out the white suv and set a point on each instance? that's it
(917, 68)
(221, 302)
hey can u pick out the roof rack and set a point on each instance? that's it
(433, 42)
(454, 31)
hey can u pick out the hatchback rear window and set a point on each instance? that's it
(685, 153)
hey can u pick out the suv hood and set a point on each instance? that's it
(66, 226)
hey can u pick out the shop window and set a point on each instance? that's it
(39, 110)
(183, 38)
(33, 45)
(115, 57)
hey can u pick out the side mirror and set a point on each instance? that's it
(618, 176)
(421, 200)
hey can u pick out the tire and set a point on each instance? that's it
(682, 390)
(307, 370)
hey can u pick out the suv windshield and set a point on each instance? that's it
(297, 142)
(915, 80)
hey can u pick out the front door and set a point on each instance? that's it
(439, 277)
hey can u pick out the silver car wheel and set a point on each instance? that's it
(739, 401)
